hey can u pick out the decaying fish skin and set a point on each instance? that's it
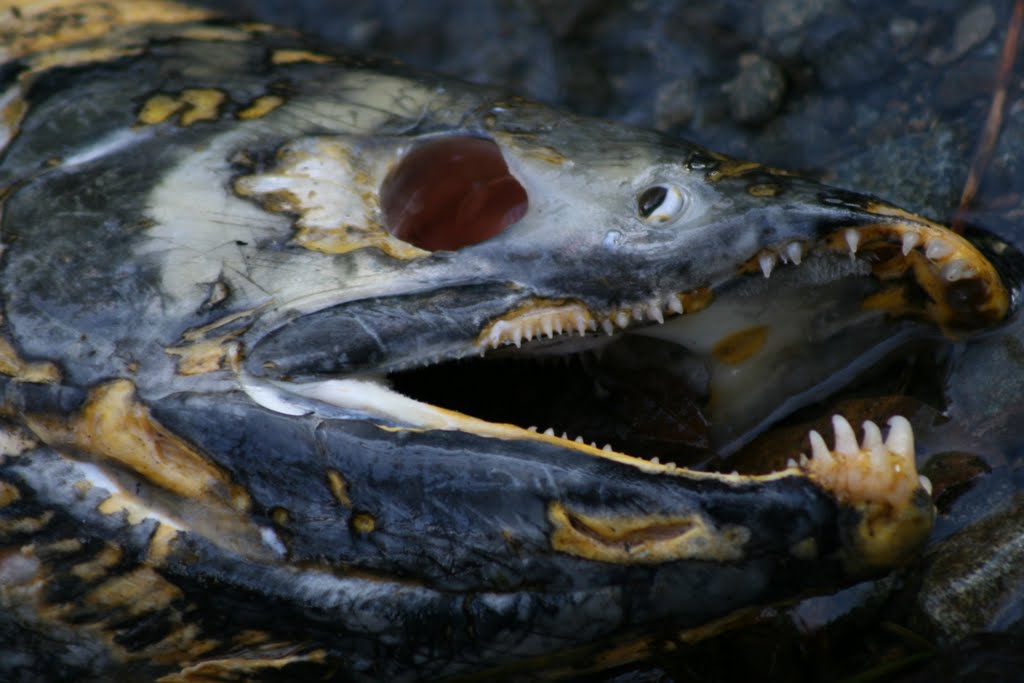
(204, 473)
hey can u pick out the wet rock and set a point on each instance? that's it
(675, 103)
(756, 94)
(972, 28)
(974, 581)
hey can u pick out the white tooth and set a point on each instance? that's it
(872, 436)
(607, 447)
(622, 319)
(654, 312)
(638, 311)
(608, 327)
(804, 459)
(593, 444)
(767, 262)
(549, 330)
(791, 463)
(937, 249)
(549, 432)
(656, 460)
(901, 438)
(670, 465)
(565, 435)
(910, 240)
(531, 428)
(926, 483)
(592, 324)
(675, 304)
(846, 440)
(957, 270)
(819, 451)
(795, 252)
(558, 326)
(517, 338)
(852, 240)
(579, 439)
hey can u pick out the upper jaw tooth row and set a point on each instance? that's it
(936, 248)
(570, 318)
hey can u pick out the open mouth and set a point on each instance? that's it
(634, 379)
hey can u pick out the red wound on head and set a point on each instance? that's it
(451, 192)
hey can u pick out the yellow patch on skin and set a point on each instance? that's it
(12, 110)
(99, 565)
(160, 544)
(280, 516)
(199, 353)
(192, 104)
(48, 25)
(12, 365)
(334, 193)
(158, 109)
(26, 525)
(9, 493)
(243, 667)
(339, 487)
(112, 425)
(62, 547)
(260, 107)
(763, 190)
(741, 345)
(203, 357)
(295, 56)
(363, 522)
(134, 593)
(643, 539)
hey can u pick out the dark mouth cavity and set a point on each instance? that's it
(643, 396)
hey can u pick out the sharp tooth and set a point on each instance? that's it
(531, 428)
(558, 326)
(819, 451)
(767, 261)
(957, 270)
(937, 249)
(565, 435)
(581, 324)
(607, 447)
(910, 240)
(654, 312)
(517, 337)
(791, 463)
(795, 252)
(872, 435)
(926, 483)
(852, 240)
(638, 312)
(901, 438)
(804, 460)
(579, 439)
(608, 327)
(548, 328)
(656, 460)
(846, 440)
(549, 432)
(622, 319)
(675, 304)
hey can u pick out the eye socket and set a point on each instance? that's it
(451, 192)
(660, 203)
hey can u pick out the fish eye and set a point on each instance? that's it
(660, 203)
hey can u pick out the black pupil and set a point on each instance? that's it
(650, 199)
